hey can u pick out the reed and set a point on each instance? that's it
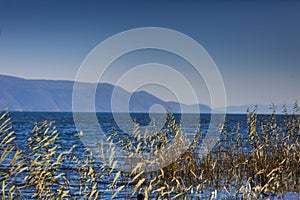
(257, 164)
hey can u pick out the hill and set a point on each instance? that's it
(20, 94)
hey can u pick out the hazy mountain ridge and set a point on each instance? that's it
(261, 109)
(18, 94)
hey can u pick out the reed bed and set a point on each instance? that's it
(261, 162)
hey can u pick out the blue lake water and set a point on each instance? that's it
(23, 123)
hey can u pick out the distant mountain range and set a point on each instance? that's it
(18, 94)
(261, 109)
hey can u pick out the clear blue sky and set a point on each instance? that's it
(255, 44)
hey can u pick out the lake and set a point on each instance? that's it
(23, 123)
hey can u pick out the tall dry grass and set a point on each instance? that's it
(263, 161)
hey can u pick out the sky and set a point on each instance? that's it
(255, 44)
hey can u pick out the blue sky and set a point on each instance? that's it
(255, 44)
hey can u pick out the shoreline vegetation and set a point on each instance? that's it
(262, 163)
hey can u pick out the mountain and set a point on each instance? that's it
(35, 95)
(261, 109)
(20, 94)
